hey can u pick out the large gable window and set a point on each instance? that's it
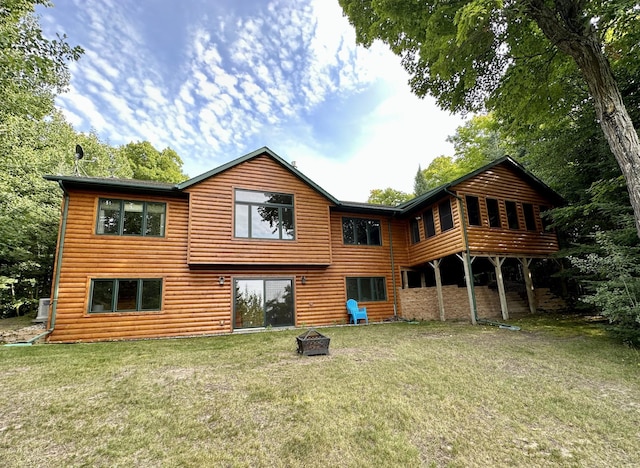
(264, 215)
(130, 218)
(360, 231)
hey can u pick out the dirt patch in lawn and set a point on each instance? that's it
(22, 334)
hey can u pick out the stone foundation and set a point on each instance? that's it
(422, 303)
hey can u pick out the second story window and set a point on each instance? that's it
(130, 218)
(512, 214)
(415, 231)
(429, 225)
(473, 210)
(529, 217)
(493, 211)
(446, 217)
(360, 231)
(264, 215)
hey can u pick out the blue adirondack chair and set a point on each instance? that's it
(356, 313)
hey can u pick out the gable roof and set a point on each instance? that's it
(254, 154)
(441, 191)
(404, 209)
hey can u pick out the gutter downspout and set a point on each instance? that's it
(393, 271)
(56, 279)
(463, 219)
(473, 291)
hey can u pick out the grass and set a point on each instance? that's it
(557, 393)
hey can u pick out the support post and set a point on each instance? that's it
(405, 279)
(497, 263)
(467, 260)
(436, 269)
(528, 280)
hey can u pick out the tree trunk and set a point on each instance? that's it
(575, 35)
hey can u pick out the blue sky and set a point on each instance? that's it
(215, 80)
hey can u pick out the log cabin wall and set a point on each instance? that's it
(504, 184)
(211, 219)
(189, 304)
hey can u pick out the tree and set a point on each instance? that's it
(420, 185)
(32, 68)
(478, 142)
(388, 196)
(148, 163)
(469, 53)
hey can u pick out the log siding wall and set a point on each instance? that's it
(211, 219)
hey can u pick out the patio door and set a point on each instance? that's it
(263, 303)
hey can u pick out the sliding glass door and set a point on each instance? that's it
(263, 303)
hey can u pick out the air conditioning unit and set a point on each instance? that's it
(43, 310)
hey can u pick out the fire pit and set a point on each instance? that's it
(313, 343)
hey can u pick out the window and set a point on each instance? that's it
(493, 211)
(429, 225)
(367, 289)
(415, 231)
(446, 217)
(529, 217)
(130, 218)
(473, 210)
(264, 215)
(512, 214)
(360, 231)
(263, 303)
(125, 295)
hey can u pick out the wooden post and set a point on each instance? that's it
(531, 294)
(436, 269)
(497, 263)
(467, 260)
(405, 279)
(423, 280)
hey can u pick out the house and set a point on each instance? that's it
(255, 243)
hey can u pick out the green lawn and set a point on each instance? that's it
(556, 393)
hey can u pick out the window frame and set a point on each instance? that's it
(497, 213)
(429, 223)
(115, 285)
(359, 280)
(449, 216)
(281, 207)
(529, 213)
(415, 230)
(122, 214)
(477, 221)
(516, 216)
(369, 233)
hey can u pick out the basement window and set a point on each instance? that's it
(367, 289)
(125, 295)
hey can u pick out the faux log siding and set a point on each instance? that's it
(364, 260)
(193, 302)
(503, 184)
(211, 225)
(440, 245)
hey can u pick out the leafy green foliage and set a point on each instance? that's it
(388, 196)
(34, 141)
(614, 281)
(148, 163)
